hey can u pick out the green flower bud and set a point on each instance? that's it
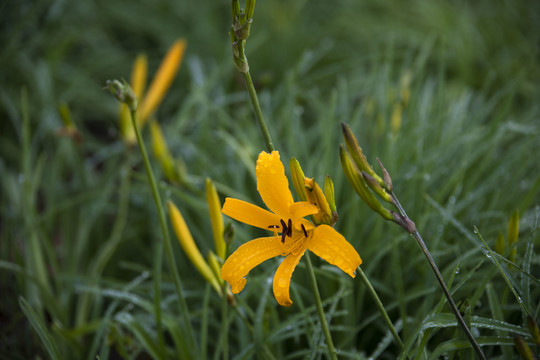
(122, 92)
(357, 181)
(356, 153)
(298, 177)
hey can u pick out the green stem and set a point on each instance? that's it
(168, 248)
(224, 322)
(439, 277)
(320, 310)
(258, 111)
(380, 306)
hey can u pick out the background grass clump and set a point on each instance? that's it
(445, 93)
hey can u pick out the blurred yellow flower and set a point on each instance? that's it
(293, 234)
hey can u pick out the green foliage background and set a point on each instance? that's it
(465, 155)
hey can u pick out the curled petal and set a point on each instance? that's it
(282, 278)
(272, 183)
(246, 257)
(249, 213)
(330, 245)
(302, 209)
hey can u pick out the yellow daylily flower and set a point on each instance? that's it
(293, 234)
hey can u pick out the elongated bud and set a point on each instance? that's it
(298, 177)
(513, 228)
(190, 248)
(500, 246)
(357, 181)
(376, 187)
(315, 196)
(162, 81)
(356, 153)
(122, 92)
(216, 219)
(523, 348)
(215, 265)
(386, 178)
(513, 234)
(250, 8)
(162, 153)
(533, 329)
(330, 196)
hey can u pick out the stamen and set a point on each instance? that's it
(273, 226)
(304, 230)
(284, 231)
(289, 230)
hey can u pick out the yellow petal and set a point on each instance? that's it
(249, 213)
(190, 248)
(272, 183)
(246, 257)
(162, 80)
(302, 209)
(216, 219)
(282, 278)
(330, 245)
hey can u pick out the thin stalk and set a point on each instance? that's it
(439, 277)
(258, 111)
(166, 245)
(224, 322)
(380, 306)
(320, 310)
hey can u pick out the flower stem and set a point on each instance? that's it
(380, 306)
(439, 277)
(166, 245)
(258, 111)
(320, 310)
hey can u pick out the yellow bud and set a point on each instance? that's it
(215, 265)
(356, 153)
(162, 81)
(358, 183)
(190, 248)
(329, 193)
(139, 74)
(162, 153)
(297, 176)
(216, 219)
(315, 196)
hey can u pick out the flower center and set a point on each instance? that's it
(286, 229)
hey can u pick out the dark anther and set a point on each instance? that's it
(273, 226)
(284, 231)
(304, 230)
(289, 229)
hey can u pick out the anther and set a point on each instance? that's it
(289, 229)
(284, 231)
(304, 230)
